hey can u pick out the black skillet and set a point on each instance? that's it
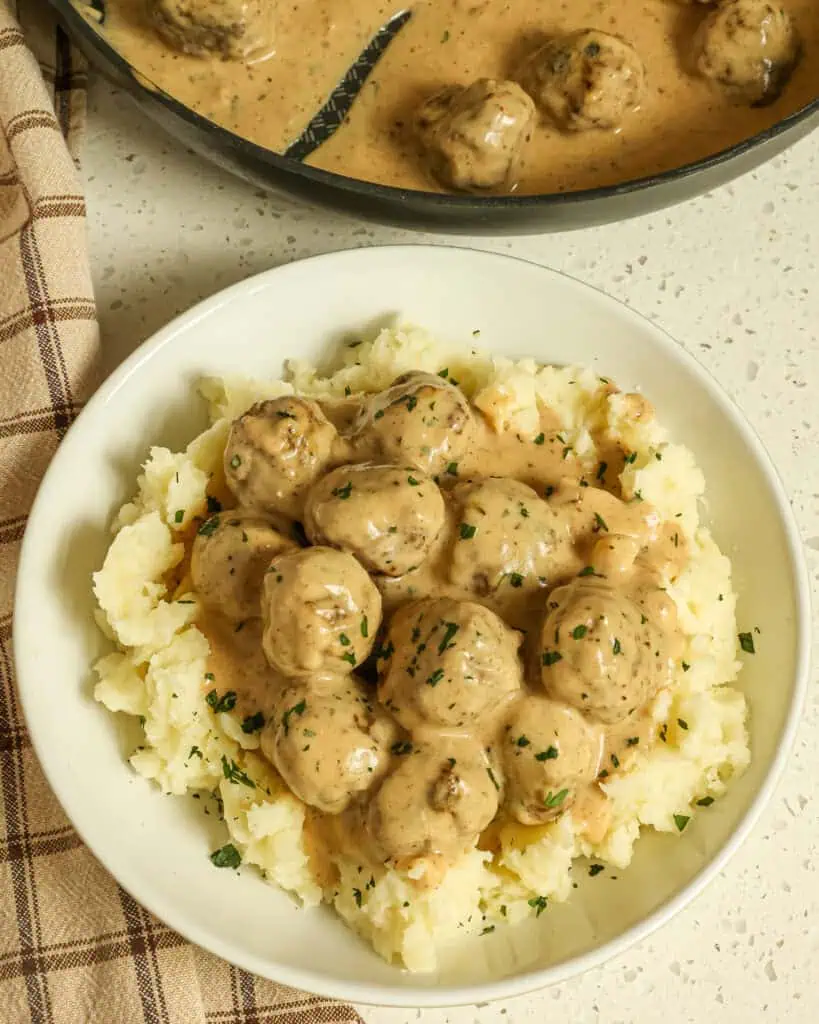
(489, 215)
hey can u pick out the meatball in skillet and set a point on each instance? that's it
(750, 47)
(231, 29)
(584, 80)
(472, 136)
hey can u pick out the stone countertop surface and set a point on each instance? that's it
(733, 277)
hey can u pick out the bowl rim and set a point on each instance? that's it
(374, 994)
(390, 194)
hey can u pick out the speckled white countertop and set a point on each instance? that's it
(733, 276)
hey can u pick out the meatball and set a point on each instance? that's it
(472, 136)
(275, 451)
(750, 47)
(550, 751)
(321, 612)
(587, 79)
(447, 663)
(230, 555)
(435, 803)
(328, 744)
(232, 29)
(387, 516)
(604, 652)
(506, 537)
(421, 419)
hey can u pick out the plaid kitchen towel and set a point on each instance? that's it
(74, 948)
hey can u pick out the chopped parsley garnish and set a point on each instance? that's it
(681, 820)
(588, 570)
(385, 651)
(579, 632)
(349, 657)
(436, 677)
(450, 631)
(549, 754)
(233, 773)
(214, 505)
(452, 469)
(555, 799)
(632, 741)
(488, 929)
(179, 515)
(194, 752)
(595, 869)
(413, 481)
(615, 760)
(685, 666)
(357, 897)
(466, 531)
(343, 493)
(540, 439)
(746, 642)
(516, 579)
(551, 657)
(378, 414)
(343, 639)
(522, 741)
(538, 904)
(411, 401)
(491, 775)
(443, 373)
(285, 415)
(224, 703)
(630, 458)
(297, 709)
(664, 732)
(706, 801)
(600, 523)
(209, 526)
(616, 648)
(681, 722)
(365, 627)
(226, 857)
(601, 470)
(401, 747)
(253, 723)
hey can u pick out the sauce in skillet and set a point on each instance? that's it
(295, 54)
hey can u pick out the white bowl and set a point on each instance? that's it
(156, 846)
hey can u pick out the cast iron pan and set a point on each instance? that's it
(498, 215)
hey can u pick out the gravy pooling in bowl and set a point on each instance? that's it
(263, 72)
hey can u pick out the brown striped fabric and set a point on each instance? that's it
(74, 947)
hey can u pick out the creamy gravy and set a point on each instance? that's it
(519, 663)
(682, 117)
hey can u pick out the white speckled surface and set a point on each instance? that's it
(733, 276)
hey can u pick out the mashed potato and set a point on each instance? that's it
(158, 669)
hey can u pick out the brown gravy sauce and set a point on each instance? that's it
(547, 464)
(682, 117)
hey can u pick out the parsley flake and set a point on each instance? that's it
(297, 709)
(226, 856)
(549, 754)
(253, 723)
